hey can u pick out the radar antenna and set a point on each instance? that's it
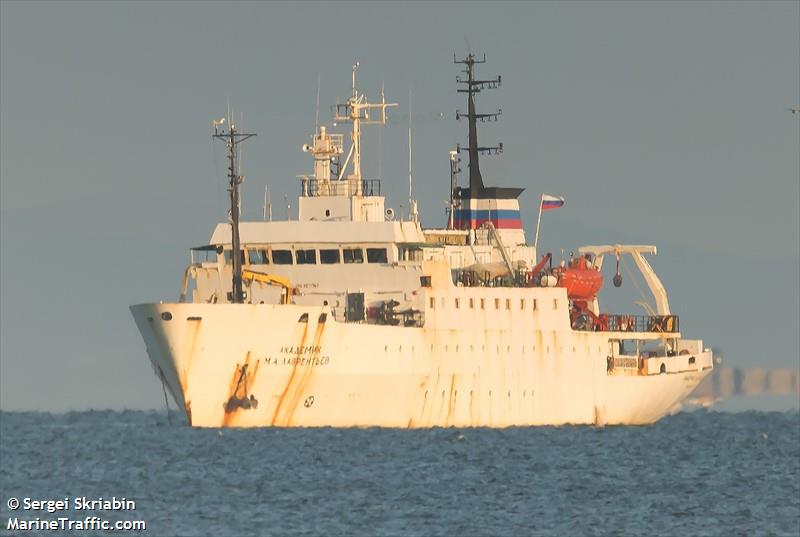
(232, 138)
(356, 111)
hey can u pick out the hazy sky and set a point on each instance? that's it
(662, 123)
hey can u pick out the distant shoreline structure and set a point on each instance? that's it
(726, 382)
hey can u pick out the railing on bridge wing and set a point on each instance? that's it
(628, 323)
(346, 187)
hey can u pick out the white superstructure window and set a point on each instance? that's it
(353, 255)
(329, 257)
(377, 255)
(258, 257)
(282, 257)
(306, 257)
(228, 256)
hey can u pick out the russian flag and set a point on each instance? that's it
(551, 202)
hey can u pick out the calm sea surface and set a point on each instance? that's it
(695, 473)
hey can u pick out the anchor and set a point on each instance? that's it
(234, 402)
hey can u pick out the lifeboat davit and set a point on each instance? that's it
(581, 280)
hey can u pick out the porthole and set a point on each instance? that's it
(167, 316)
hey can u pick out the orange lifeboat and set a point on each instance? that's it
(581, 281)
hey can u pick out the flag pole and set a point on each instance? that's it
(538, 222)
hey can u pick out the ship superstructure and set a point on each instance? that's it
(349, 316)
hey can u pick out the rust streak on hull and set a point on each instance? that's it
(289, 382)
(305, 375)
(451, 402)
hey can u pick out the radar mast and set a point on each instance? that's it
(473, 86)
(232, 138)
(356, 111)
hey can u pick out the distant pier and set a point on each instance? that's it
(725, 382)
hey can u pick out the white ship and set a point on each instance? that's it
(349, 317)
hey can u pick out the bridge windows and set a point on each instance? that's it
(377, 255)
(306, 257)
(410, 253)
(353, 255)
(329, 257)
(228, 256)
(258, 257)
(282, 257)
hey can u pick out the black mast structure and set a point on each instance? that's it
(477, 190)
(232, 138)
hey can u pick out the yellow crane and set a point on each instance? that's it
(271, 279)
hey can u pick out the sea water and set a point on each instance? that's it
(694, 473)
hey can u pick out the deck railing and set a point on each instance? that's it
(640, 323)
(310, 187)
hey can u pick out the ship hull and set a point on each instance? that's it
(241, 365)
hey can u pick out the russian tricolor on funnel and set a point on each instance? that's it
(551, 202)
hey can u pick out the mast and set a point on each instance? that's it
(454, 169)
(232, 138)
(476, 186)
(356, 111)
